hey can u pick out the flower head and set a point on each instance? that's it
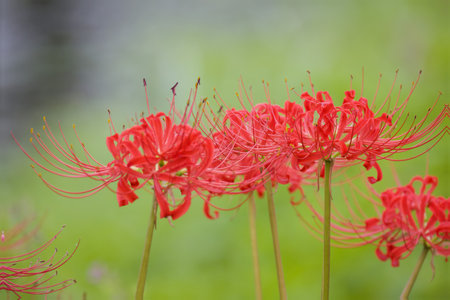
(354, 131)
(407, 215)
(284, 142)
(250, 146)
(155, 152)
(410, 216)
(161, 153)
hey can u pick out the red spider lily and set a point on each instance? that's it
(406, 217)
(155, 151)
(353, 131)
(250, 147)
(29, 274)
(242, 149)
(411, 216)
(166, 155)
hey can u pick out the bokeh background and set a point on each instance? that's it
(72, 60)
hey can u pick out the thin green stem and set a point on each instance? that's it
(145, 257)
(326, 231)
(276, 244)
(415, 273)
(256, 269)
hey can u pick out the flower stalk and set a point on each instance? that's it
(276, 244)
(256, 268)
(145, 257)
(326, 231)
(415, 273)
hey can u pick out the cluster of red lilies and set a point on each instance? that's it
(209, 150)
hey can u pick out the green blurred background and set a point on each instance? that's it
(71, 61)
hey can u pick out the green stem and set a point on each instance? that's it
(256, 269)
(276, 244)
(148, 243)
(412, 279)
(326, 231)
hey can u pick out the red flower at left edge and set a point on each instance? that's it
(30, 273)
(154, 152)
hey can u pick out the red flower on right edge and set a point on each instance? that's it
(409, 217)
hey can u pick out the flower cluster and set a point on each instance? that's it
(239, 150)
(288, 143)
(155, 151)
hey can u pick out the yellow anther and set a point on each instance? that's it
(285, 80)
(109, 121)
(31, 130)
(32, 166)
(38, 134)
(40, 175)
(43, 127)
(31, 140)
(44, 118)
(73, 125)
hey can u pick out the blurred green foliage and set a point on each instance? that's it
(197, 258)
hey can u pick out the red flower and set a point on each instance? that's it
(155, 151)
(407, 215)
(29, 274)
(250, 149)
(410, 216)
(354, 132)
